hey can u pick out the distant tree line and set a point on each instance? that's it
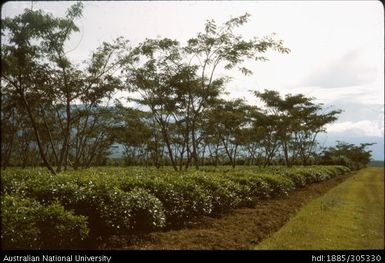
(60, 114)
(353, 156)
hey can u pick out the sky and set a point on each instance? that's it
(337, 49)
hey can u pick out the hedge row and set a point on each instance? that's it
(102, 201)
(26, 224)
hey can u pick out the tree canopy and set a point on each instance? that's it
(60, 114)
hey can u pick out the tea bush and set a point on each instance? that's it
(225, 194)
(136, 210)
(26, 224)
(105, 201)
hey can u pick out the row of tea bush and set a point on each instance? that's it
(41, 210)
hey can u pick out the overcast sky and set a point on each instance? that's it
(337, 48)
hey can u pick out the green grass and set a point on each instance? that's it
(350, 216)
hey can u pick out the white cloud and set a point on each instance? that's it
(364, 128)
(348, 70)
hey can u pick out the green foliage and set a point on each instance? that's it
(353, 156)
(296, 121)
(60, 228)
(182, 199)
(18, 222)
(225, 194)
(44, 86)
(138, 199)
(135, 210)
(263, 185)
(27, 224)
(109, 209)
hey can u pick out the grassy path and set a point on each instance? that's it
(350, 216)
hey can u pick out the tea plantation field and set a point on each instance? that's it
(74, 208)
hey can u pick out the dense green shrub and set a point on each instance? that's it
(253, 186)
(353, 156)
(263, 185)
(136, 210)
(280, 185)
(194, 201)
(181, 197)
(26, 224)
(147, 212)
(225, 193)
(111, 210)
(299, 178)
(136, 199)
(18, 222)
(311, 174)
(61, 229)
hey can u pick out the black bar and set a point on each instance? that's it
(114, 256)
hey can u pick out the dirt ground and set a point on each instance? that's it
(238, 229)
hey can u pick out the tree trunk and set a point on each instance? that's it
(67, 131)
(286, 154)
(216, 155)
(235, 156)
(194, 152)
(227, 151)
(37, 136)
(50, 138)
(168, 145)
